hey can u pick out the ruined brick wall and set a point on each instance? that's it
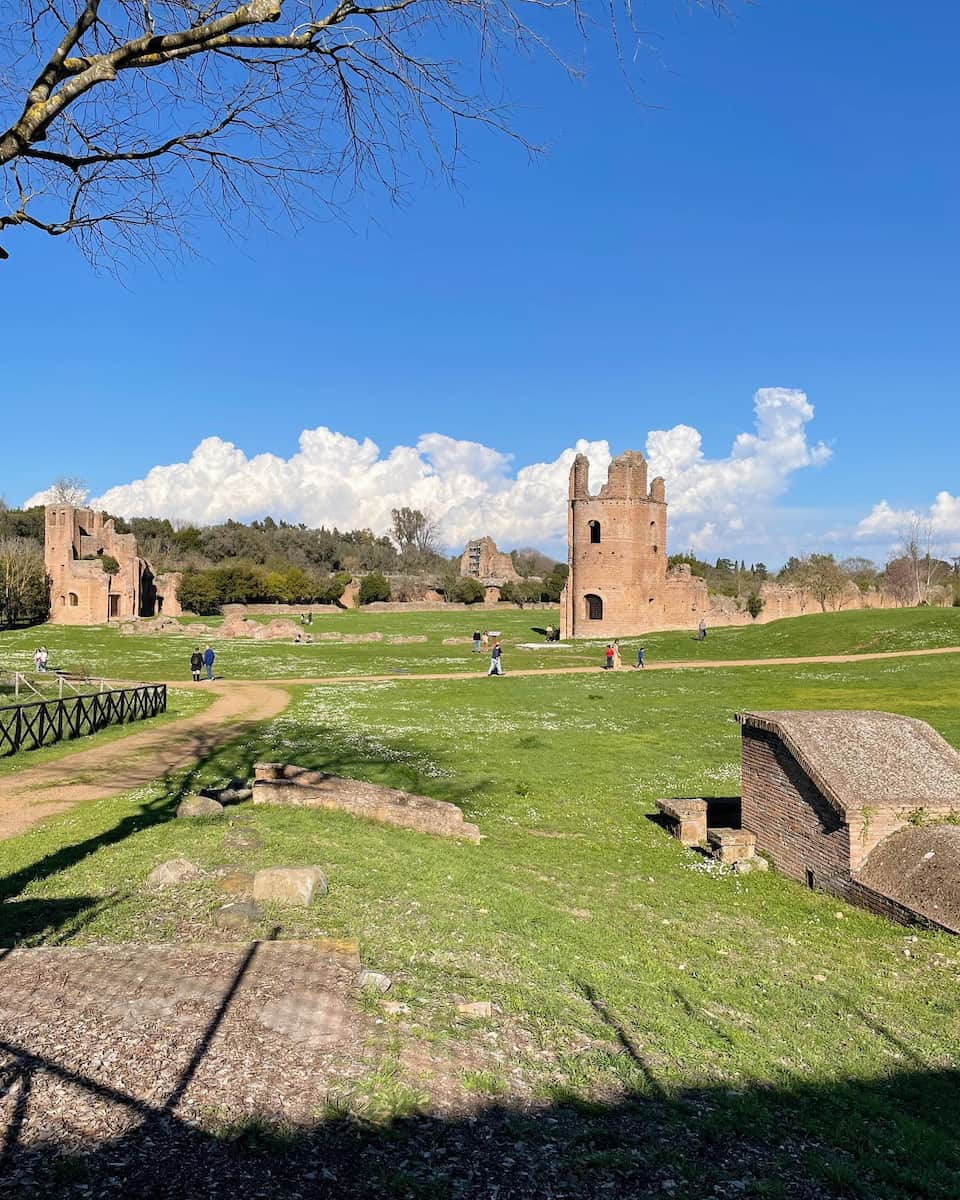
(482, 560)
(617, 559)
(618, 583)
(81, 592)
(794, 824)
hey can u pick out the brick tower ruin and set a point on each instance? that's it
(76, 540)
(618, 583)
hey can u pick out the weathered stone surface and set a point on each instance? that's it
(276, 783)
(686, 819)
(732, 845)
(199, 806)
(238, 914)
(177, 870)
(289, 885)
(235, 794)
(374, 981)
(236, 882)
(399, 639)
(307, 1016)
(476, 1008)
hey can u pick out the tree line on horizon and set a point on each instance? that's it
(266, 561)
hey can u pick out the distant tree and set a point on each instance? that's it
(109, 564)
(22, 522)
(198, 592)
(862, 571)
(69, 489)
(24, 584)
(818, 574)
(240, 583)
(916, 546)
(530, 561)
(415, 533)
(755, 604)
(554, 581)
(374, 587)
(467, 590)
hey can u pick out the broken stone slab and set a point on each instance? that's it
(686, 819)
(476, 1008)
(199, 806)
(281, 784)
(235, 881)
(238, 914)
(289, 885)
(374, 981)
(732, 845)
(177, 870)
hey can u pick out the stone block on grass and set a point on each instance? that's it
(177, 870)
(289, 885)
(199, 806)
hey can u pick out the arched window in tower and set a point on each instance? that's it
(594, 608)
(594, 527)
(655, 549)
(73, 599)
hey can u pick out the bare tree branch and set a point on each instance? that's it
(121, 120)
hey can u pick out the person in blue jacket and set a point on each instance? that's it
(208, 657)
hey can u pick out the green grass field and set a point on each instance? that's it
(622, 968)
(105, 651)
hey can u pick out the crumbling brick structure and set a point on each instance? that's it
(482, 560)
(822, 790)
(618, 583)
(76, 541)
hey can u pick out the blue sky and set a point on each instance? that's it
(780, 211)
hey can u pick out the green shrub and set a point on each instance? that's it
(467, 590)
(755, 604)
(375, 586)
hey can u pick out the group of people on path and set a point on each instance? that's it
(481, 640)
(40, 659)
(612, 660)
(200, 661)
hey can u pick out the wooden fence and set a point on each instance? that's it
(29, 726)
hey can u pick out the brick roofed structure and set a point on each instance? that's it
(821, 790)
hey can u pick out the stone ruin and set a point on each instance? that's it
(619, 583)
(281, 784)
(75, 543)
(861, 805)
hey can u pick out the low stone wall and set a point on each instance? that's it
(299, 787)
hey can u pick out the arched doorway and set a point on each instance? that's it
(594, 607)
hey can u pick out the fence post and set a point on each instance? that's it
(16, 684)
(60, 687)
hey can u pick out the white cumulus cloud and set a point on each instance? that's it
(332, 479)
(884, 524)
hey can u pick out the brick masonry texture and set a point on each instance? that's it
(619, 583)
(81, 592)
(822, 834)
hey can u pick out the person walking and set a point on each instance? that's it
(608, 658)
(702, 630)
(37, 659)
(484, 640)
(496, 665)
(44, 658)
(196, 664)
(617, 660)
(477, 637)
(639, 666)
(208, 659)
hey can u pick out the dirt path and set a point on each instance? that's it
(105, 770)
(676, 665)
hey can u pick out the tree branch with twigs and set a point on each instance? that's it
(123, 120)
